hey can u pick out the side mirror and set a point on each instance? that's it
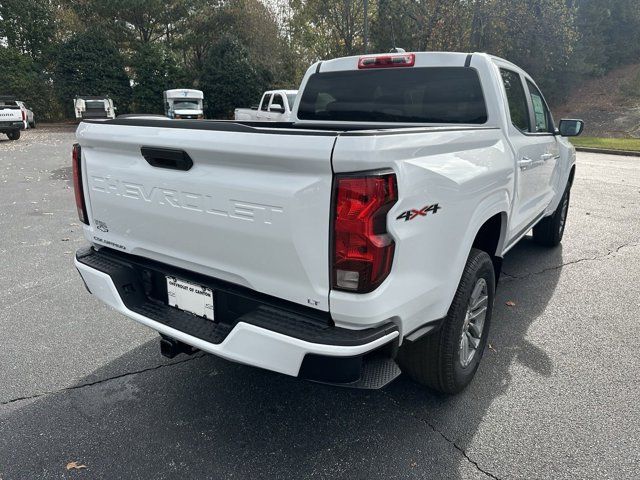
(276, 107)
(570, 127)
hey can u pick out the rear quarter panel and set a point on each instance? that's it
(469, 174)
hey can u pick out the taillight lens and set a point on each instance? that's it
(24, 115)
(362, 247)
(77, 184)
(387, 61)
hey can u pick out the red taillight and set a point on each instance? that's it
(362, 247)
(24, 115)
(387, 61)
(77, 184)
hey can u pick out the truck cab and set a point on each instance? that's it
(274, 106)
(184, 103)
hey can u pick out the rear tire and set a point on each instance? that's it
(15, 135)
(33, 124)
(441, 360)
(549, 230)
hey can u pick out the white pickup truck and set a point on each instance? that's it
(365, 235)
(29, 117)
(93, 108)
(275, 106)
(12, 118)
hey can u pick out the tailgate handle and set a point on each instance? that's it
(167, 158)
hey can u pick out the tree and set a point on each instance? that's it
(28, 26)
(23, 78)
(250, 22)
(134, 21)
(154, 70)
(537, 35)
(330, 28)
(230, 79)
(623, 33)
(89, 64)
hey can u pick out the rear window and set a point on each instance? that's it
(94, 104)
(409, 95)
(9, 104)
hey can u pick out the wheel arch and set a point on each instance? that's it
(493, 211)
(490, 238)
(572, 173)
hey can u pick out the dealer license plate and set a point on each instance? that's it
(190, 297)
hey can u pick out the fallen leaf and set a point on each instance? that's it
(65, 239)
(414, 464)
(510, 303)
(75, 466)
(491, 348)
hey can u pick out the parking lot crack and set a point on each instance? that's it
(102, 380)
(444, 436)
(511, 276)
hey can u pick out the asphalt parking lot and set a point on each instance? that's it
(555, 397)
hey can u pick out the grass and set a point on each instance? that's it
(629, 144)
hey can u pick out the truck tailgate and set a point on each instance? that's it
(253, 209)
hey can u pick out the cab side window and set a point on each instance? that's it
(540, 110)
(277, 98)
(518, 107)
(265, 102)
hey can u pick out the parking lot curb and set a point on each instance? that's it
(609, 151)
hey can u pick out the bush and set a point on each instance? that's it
(154, 71)
(89, 64)
(230, 79)
(22, 77)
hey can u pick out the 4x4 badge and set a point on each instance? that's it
(411, 214)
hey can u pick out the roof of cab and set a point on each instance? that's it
(183, 93)
(422, 59)
(287, 92)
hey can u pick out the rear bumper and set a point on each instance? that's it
(11, 126)
(261, 334)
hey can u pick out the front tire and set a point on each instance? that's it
(447, 359)
(549, 230)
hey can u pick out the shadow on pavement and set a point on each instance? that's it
(208, 418)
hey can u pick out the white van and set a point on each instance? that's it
(184, 103)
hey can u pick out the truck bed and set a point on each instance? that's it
(254, 208)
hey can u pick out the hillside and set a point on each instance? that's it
(609, 105)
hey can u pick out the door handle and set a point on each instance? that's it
(547, 156)
(171, 158)
(524, 163)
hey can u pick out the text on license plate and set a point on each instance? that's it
(190, 297)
